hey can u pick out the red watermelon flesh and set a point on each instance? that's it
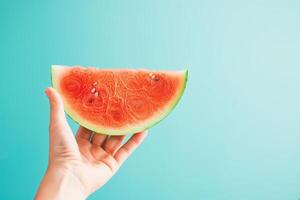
(118, 101)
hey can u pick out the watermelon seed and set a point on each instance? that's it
(153, 77)
(96, 94)
(93, 90)
(94, 84)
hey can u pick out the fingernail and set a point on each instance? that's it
(47, 91)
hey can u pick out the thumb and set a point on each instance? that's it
(60, 130)
(61, 137)
(57, 115)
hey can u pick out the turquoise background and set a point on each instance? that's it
(235, 134)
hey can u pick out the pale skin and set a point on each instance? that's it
(80, 165)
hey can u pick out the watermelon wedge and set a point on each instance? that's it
(118, 101)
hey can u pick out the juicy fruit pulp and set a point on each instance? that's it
(118, 101)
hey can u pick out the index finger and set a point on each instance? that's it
(128, 148)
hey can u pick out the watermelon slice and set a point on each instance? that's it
(118, 101)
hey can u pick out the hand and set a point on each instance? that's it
(79, 166)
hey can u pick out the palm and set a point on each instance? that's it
(100, 155)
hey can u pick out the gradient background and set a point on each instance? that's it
(235, 134)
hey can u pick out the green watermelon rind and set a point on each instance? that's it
(97, 129)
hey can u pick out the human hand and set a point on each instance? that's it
(80, 165)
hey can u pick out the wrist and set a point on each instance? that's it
(61, 183)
